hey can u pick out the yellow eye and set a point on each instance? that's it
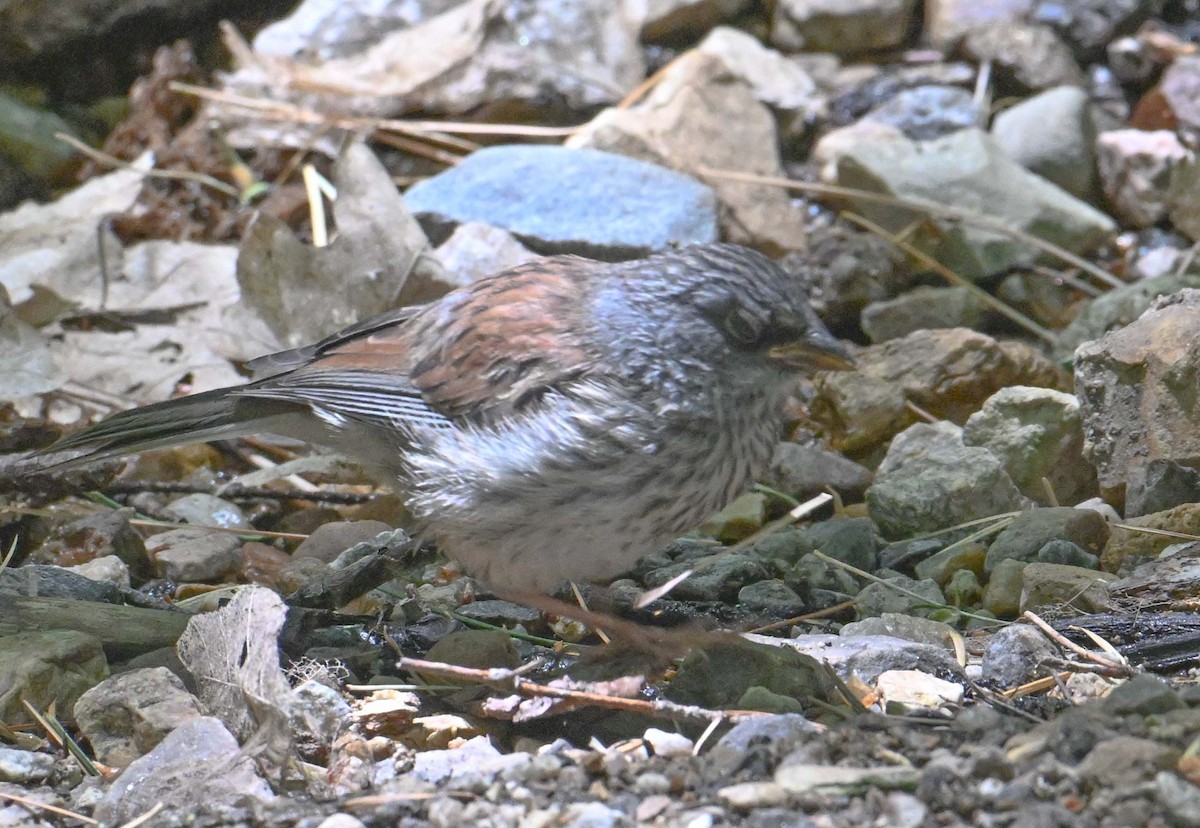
(741, 328)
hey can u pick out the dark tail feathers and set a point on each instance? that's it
(210, 415)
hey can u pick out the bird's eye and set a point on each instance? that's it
(740, 327)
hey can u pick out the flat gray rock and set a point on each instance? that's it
(968, 170)
(196, 766)
(557, 200)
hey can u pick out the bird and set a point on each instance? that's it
(553, 422)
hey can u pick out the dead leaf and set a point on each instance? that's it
(303, 292)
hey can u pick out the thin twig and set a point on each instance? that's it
(583, 605)
(509, 681)
(1068, 279)
(952, 277)
(1186, 260)
(875, 579)
(1107, 664)
(233, 491)
(1165, 533)
(42, 806)
(316, 205)
(801, 510)
(808, 616)
(136, 822)
(178, 175)
(228, 530)
(920, 412)
(420, 149)
(920, 204)
(771, 528)
(286, 112)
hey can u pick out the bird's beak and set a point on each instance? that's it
(819, 350)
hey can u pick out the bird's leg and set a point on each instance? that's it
(666, 643)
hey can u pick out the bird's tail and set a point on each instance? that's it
(210, 415)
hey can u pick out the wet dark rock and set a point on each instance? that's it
(772, 598)
(55, 582)
(854, 541)
(904, 556)
(814, 578)
(1033, 529)
(1165, 485)
(27, 138)
(803, 470)
(670, 20)
(32, 31)
(877, 599)
(1088, 25)
(16, 185)
(1068, 554)
(557, 200)
(500, 613)
(724, 671)
(716, 578)
(852, 100)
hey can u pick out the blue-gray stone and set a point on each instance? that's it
(560, 200)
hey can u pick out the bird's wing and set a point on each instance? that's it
(296, 357)
(478, 354)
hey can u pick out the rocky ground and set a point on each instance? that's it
(992, 622)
